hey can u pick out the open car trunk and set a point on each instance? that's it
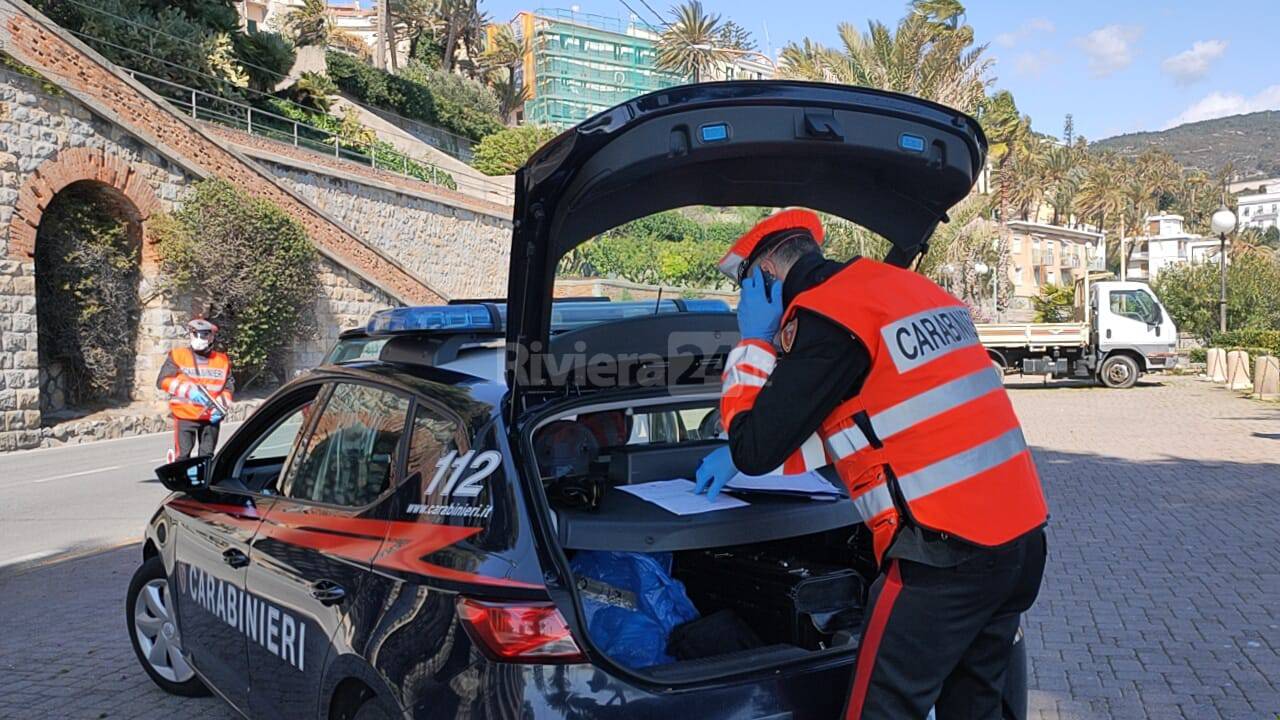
(780, 581)
(891, 163)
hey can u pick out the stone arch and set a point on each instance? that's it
(79, 165)
(82, 175)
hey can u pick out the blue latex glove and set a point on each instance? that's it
(199, 395)
(716, 469)
(216, 416)
(758, 314)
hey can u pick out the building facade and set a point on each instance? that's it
(578, 64)
(1166, 243)
(1260, 209)
(1042, 254)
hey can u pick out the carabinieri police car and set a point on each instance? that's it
(435, 523)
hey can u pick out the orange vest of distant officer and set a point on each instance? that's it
(932, 431)
(212, 376)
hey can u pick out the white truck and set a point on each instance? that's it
(1125, 332)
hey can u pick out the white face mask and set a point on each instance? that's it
(199, 344)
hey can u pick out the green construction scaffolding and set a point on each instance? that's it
(583, 64)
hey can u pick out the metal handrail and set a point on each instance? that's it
(202, 105)
(245, 120)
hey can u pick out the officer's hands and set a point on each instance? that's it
(215, 417)
(199, 395)
(716, 469)
(758, 314)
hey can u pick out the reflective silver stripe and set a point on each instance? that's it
(735, 376)
(812, 453)
(930, 403)
(962, 466)
(752, 355)
(846, 442)
(873, 502)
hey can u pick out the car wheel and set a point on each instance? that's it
(153, 630)
(1119, 371)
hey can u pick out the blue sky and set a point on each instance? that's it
(1116, 66)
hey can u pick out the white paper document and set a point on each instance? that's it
(805, 483)
(676, 496)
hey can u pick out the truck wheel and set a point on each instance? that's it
(1119, 371)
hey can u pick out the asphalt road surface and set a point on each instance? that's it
(68, 500)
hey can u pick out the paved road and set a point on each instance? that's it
(71, 499)
(1162, 598)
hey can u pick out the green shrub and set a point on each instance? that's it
(359, 140)
(248, 266)
(267, 58)
(1267, 341)
(1054, 303)
(419, 93)
(1190, 293)
(1198, 354)
(503, 152)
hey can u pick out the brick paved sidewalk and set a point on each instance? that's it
(1162, 593)
(1161, 599)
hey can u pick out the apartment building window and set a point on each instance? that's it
(1015, 245)
(1017, 274)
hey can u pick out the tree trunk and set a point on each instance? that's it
(391, 48)
(450, 45)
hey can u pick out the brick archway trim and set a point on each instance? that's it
(70, 166)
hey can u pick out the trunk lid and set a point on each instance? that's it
(891, 163)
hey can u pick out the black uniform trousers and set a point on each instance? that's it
(190, 434)
(942, 637)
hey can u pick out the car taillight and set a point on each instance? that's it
(519, 632)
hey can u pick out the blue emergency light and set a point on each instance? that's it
(492, 317)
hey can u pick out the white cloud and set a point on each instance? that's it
(1110, 48)
(1189, 66)
(1217, 104)
(1024, 31)
(1033, 64)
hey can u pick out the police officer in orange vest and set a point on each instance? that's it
(198, 380)
(886, 368)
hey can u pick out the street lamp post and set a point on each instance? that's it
(1222, 222)
(982, 268)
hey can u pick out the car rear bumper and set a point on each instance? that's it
(498, 690)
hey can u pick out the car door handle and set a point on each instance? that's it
(328, 592)
(235, 558)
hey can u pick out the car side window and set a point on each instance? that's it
(350, 456)
(254, 461)
(434, 436)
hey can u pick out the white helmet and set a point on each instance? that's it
(202, 333)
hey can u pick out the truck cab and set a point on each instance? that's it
(1130, 332)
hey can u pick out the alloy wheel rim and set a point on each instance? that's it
(156, 631)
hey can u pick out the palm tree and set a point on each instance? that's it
(1101, 195)
(498, 63)
(689, 45)
(923, 56)
(310, 24)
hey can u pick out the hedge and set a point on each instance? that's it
(413, 100)
(1253, 341)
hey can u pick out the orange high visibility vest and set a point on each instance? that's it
(212, 377)
(932, 426)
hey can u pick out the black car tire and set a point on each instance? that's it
(372, 710)
(1119, 371)
(153, 571)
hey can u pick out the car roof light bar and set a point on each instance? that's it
(492, 317)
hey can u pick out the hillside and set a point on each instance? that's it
(1250, 142)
